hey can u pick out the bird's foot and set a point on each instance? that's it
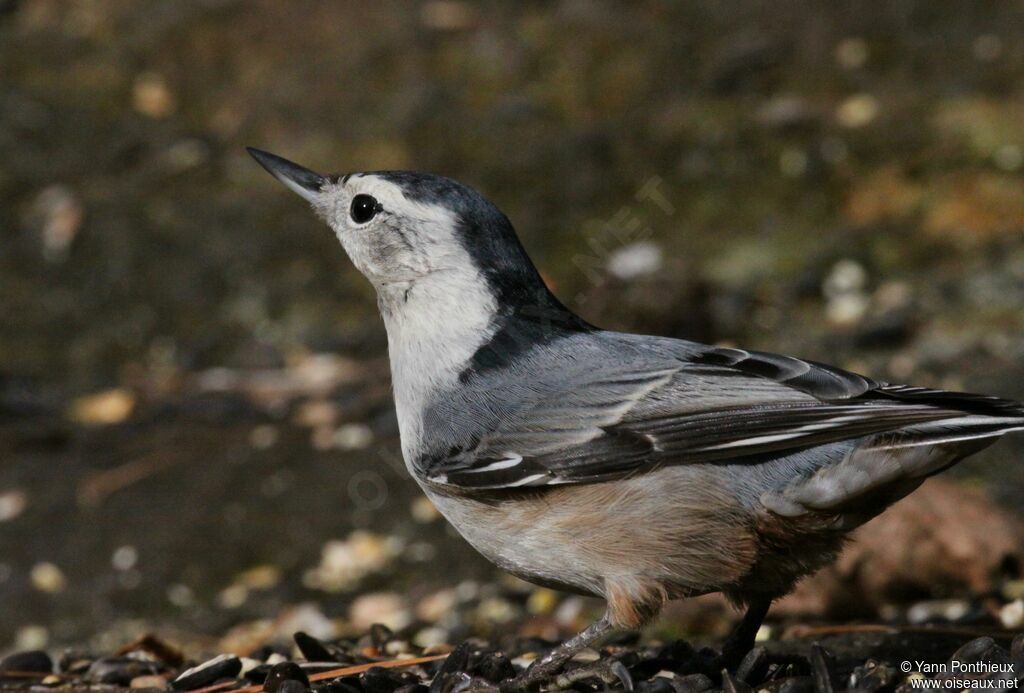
(475, 684)
(548, 672)
(541, 671)
(609, 671)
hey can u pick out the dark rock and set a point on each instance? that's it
(693, 683)
(798, 684)
(285, 671)
(457, 661)
(753, 667)
(731, 685)
(493, 667)
(292, 686)
(74, 662)
(380, 635)
(312, 648)
(258, 674)
(380, 680)
(222, 667)
(975, 650)
(345, 685)
(822, 665)
(658, 684)
(413, 688)
(873, 676)
(1017, 646)
(120, 671)
(29, 661)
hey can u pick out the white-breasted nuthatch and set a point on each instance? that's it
(638, 469)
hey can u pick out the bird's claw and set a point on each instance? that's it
(608, 671)
(475, 684)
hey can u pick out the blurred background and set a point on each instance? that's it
(196, 432)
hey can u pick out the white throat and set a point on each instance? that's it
(434, 326)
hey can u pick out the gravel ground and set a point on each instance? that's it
(483, 633)
(382, 661)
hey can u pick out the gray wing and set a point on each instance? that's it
(622, 416)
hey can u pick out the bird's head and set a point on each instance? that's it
(404, 228)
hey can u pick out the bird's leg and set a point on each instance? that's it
(741, 640)
(544, 668)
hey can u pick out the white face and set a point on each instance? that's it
(389, 238)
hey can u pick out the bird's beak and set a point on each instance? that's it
(303, 181)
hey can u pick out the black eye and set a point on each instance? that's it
(364, 208)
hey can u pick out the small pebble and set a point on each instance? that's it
(1012, 615)
(257, 674)
(124, 558)
(35, 661)
(292, 686)
(12, 504)
(379, 680)
(656, 685)
(248, 664)
(872, 676)
(387, 608)
(857, 111)
(46, 577)
(430, 638)
(635, 260)
(974, 650)
(423, 511)
(31, 637)
(412, 688)
(396, 647)
(285, 672)
(312, 648)
(798, 684)
(494, 667)
(753, 667)
(120, 671)
(694, 683)
(220, 667)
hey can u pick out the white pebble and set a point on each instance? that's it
(352, 436)
(12, 504)
(46, 577)
(857, 111)
(1012, 615)
(180, 595)
(31, 637)
(430, 637)
(388, 608)
(124, 558)
(263, 437)
(846, 276)
(635, 260)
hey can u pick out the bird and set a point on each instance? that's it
(638, 469)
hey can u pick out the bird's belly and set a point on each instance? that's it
(504, 536)
(658, 529)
